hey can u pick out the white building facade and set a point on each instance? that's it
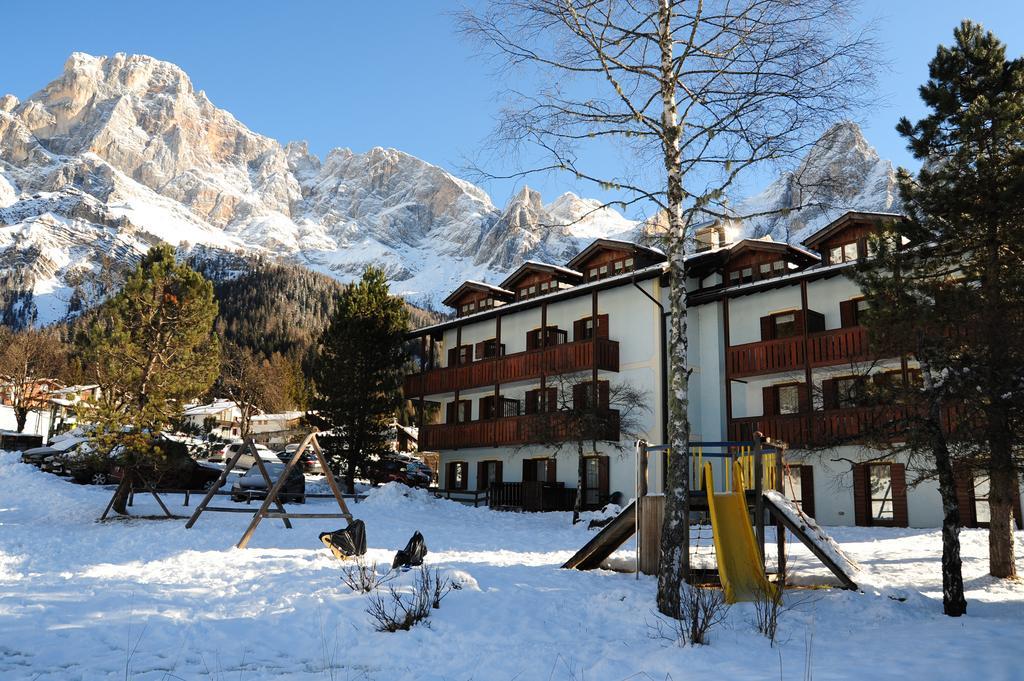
(773, 341)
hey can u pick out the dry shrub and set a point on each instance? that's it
(362, 577)
(400, 611)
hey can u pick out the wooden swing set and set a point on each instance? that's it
(274, 488)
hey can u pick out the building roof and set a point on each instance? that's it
(471, 285)
(599, 244)
(844, 220)
(533, 266)
(207, 409)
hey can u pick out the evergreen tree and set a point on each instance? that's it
(957, 266)
(359, 371)
(150, 348)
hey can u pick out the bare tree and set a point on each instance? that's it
(26, 358)
(702, 90)
(252, 382)
(575, 414)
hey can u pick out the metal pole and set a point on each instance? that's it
(759, 494)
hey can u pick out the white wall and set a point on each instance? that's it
(37, 423)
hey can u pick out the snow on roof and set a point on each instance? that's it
(281, 416)
(212, 408)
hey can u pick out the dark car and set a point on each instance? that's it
(308, 461)
(406, 471)
(176, 469)
(36, 455)
(253, 485)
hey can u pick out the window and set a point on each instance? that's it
(468, 308)
(465, 354)
(602, 272)
(734, 277)
(554, 336)
(979, 494)
(592, 274)
(793, 485)
(595, 481)
(847, 252)
(628, 263)
(798, 486)
(618, 266)
(849, 392)
(880, 487)
(850, 252)
(765, 269)
(457, 475)
(835, 254)
(543, 287)
(488, 473)
(779, 266)
(458, 412)
(789, 399)
(539, 470)
(785, 325)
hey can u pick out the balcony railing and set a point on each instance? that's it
(515, 430)
(824, 348)
(520, 366)
(834, 427)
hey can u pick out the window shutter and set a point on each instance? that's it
(767, 328)
(501, 350)
(602, 479)
(963, 480)
(862, 247)
(531, 401)
(552, 399)
(449, 475)
(830, 394)
(481, 475)
(487, 410)
(579, 328)
(847, 313)
(531, 340)
(579, 396)
(861, 489)
(480, 349)
(603, 394)
(768, 398)
(899, 495)
(804, 398)
(529, 470)
(602, 326)
(807, 490)
(497, 473)
(815, 321)
(552, 473)
(453, 357)
(449, 412)
(798, 322)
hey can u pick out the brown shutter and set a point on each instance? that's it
(807, 489)
(449, 412)
(497, 473)
(767, 328)
(579, 395)
(768, 399)
(602, 326)
(602, 479)
(830, 393)
(603, 394)
(531, 340)
(481, 475)
(815, 321)
(551, 402)
(861, 491)
(552, 470)
(963, 480)
(531, 401)
(453, 357)
(480, 349)
(847, 313)
(579, 327)
(487, 407)
(804, 398)
(529, 470)
(899, 495)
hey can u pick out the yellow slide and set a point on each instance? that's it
(739, 560)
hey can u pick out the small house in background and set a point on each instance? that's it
(223, 415)
(63, 403)
(277, 430)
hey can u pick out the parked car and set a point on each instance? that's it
(253, 485)
(247, 460)
(410, 472)
(176, 470)
(36, 455)
(310, 464)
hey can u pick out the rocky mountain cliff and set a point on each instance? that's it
(122, 152)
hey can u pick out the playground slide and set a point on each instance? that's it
(739, 561)
(604, 543)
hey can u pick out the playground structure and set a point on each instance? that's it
(751, 476)
(274, 488)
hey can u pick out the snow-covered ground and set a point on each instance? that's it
(150, 600)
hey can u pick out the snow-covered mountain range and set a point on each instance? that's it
(121, 152)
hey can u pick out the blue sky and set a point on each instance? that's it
(364, 74)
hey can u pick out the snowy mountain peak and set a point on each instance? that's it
(840, 172)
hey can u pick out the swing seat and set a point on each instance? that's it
(348, 542)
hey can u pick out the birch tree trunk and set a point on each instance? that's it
(675, 533)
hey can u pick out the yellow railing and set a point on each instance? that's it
(745, 458)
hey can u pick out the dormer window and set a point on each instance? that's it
(843, 253)
(468, 308)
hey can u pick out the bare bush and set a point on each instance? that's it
(700, 608)
(767, 608)
(364, 578)
(400, 611)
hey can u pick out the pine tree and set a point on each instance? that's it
(150, 348)
(359, 371)
(961, 254)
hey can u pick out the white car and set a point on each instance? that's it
(247, 460)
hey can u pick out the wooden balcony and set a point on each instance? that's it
(520, 366)
(510, 431)
(833, 427)
(824, 348)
